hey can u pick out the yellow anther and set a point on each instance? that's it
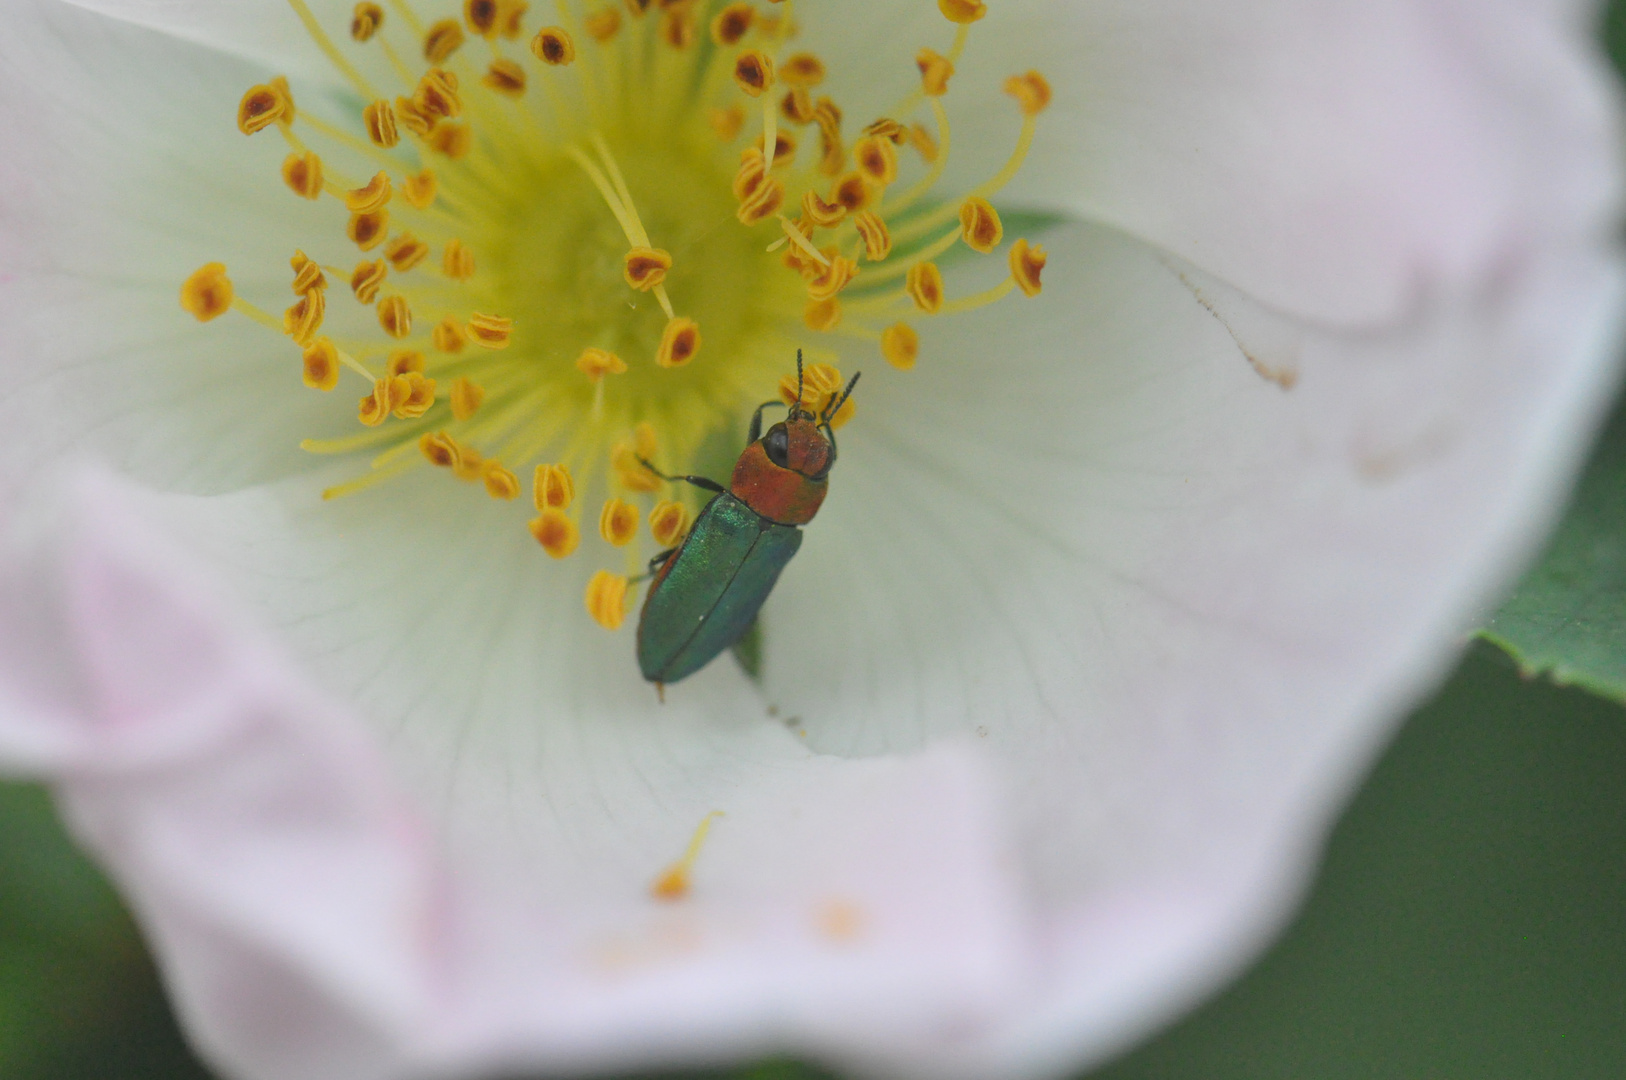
(618, 522)
(1026, 265)
(442, 40)
(753, 72)
(395, 316)
(500, 482)
(552, 488)
(638, 7)
(321, 363)
(674, 883)
(406, 251)
(924, 142)
(470, 465)
(453, 140)
(668, 522)
(440, 448)
(380, 120)
(411, 395)
(505, 77)
(420, 190)
(511, 22)
(301, 321)
(466, 397)
(732, 23)
(436, 95)
(826, 215)
(366, 20)
(303, 174)
(768, 197)
(1031, 91)
(646, 267)
(557, 534)
(980, 226)
(888, 128)
(935, 72)
(602, 24)
(367, 231)
(852, 191)
(802, 69)
(784, 148)
(822, 315)
(458, 262)
(261, 107)
(678, 27)
(414, 119)
(607, 599)
(631, 472)
(404, 362)
(924, 284)
(833, 155)
(962, 11)
(376, 407)
(307, 274)
(481, 15)
(372, 198)
(597, 363)
(751, 173)
(833, 278)
(553, 45)
(797, 106)
(489, 331)
(820, 383)
(876, 236)
(876, 159)
(679, 342)
(448, 336)
(726, 122)
(900, 345)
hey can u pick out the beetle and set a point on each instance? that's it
(706, 592)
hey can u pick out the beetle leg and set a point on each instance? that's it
(697, 481)
(756, 421)
(655, 565)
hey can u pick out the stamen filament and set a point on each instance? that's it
(259, 315)
(948, 211)
(325, 43)
(898, 265)
(977, 300)
(934, 174)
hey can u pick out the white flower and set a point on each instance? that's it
(1114, 596)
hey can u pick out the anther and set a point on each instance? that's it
(797, 106)
(307, 274)
(628, 469)
(821, 386)
(826, 215)
(301, 321)
(924, 142)
(505, 77)
(375, 408)
(394, 316)
(889, 129)
(367, 231)
(458, 262)
(321, 365)
(404, 362)
(768, 197)
(935, 72)
(453, 140)
(366, 21)
(420, 190)
(552, 488)
(900, 345)
(500, 482)
(833, 278)
(553, 45)
(448, 336)
(876, 159)
(727, 122)
(980, 226)
(751, 173)
(851, 191)
(646, 267)
(597, 363)
(602, 24)
(822, 315)
(380, 120)
(784, 148)
(261, 107)
(877, 238)
(405, 252)
(668, 522)
(962, 11)
(679, 342)
(731, 24)
(436, 95)
(607, 599)
(618, 522)
(1030, 90)
(481, 15)
(489, 331)
(412, 395)
(372, 198)
(466, 398)
(303, 174)
(753, 72)
(924, 284)
(512, 20)
(1026, 264)
(414, 119)
(557, 534)
(440, 448)
(442, 40)
(678, 27)
(802, 69)
(470, 465)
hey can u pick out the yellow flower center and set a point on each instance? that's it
(563, 258)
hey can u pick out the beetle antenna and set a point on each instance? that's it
(796, 407)
(833, 409)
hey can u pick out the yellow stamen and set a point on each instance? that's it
(557, 534)
(208, 292)
(618, 522)
(836, 276)
(753, 72)
(405, 361)
(935, 72)
(301, 321)
(443, 39)
(481, 17)
(505, 77)
(646, 267)
(261, 107)
(405, 252)
(367, 280)
(680, 341)
(980, 225)
(552, 487)
(602, 24)
(962, 11)
(436, 96)
(380, 120)
(877, 239)
(1026, 264)
(490, 331)
(674, 883)
(877, 160)
(366, 22)
(321, 365)
(822, 315)
(553, 45)
(395, 316)
(367, 231)
(467, 397)
(731, 24)
(607, 599)
(500, 482)
(924, 284)
(458, 262)
(372, 198)
(307, 274)
(448, 336)
(597, 363)
(802, 69)
(669, 522)
(900, 345)
(1031, 91)
(440, 448)
(419, 190)
(303, 174)
(727, 122)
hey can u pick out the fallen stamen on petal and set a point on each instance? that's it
(675, 882)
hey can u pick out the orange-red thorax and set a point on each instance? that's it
(788, 496)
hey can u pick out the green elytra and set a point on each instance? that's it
(707, 591)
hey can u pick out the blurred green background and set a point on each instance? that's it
(1469, 921)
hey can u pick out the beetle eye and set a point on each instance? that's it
(777, 445)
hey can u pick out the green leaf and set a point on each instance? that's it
(1567, 618)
